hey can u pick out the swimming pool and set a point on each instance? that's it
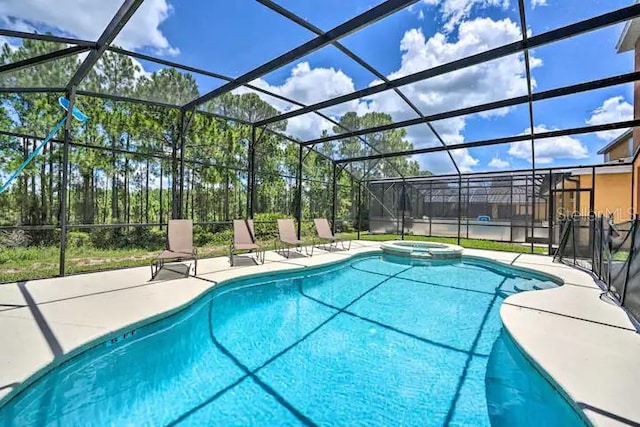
(376, 340)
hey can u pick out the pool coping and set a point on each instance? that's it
(559, 331)
(256, 272)
(431, 250)
(530, 306)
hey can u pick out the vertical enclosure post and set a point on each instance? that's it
(511, 209)
(550, 214)
(459, 206)
(181, 139)
(468, 198)
(161, 213)
(630, 256)
(174, 175)
(430, 208)
(71, 96)
(403, 200)
(250, 176)
(592, 214)
(601, 248)
(334, 200)
(633, 189)
(359, 211)
(533, 203)
(299, 190)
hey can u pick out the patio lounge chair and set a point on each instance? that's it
(288, 238)
(244, 240)
(179, 245)
(325, 234)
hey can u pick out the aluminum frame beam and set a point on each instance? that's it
(520, 173)
(497, 141)
(32, 90)
(349, 53)
(205, 113)
(370, 16)
(571, 30)
(46, 38)
(511, 102)
(532, 132)
(203, 72)
(120, 19)
(42, 59)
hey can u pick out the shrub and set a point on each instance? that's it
(145, 237)
(78, 239)
(106, 238)
(213, 235)
(14, 239)
(267, 226)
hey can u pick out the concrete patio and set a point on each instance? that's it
(585, 343)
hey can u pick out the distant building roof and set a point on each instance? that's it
(623, 168)
(628, 134)
(629, 35)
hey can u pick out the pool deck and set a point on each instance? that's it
(586, 344)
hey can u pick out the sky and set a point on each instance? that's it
(233, 37)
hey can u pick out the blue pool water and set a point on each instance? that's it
(373, 341)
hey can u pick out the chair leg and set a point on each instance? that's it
(306, 250)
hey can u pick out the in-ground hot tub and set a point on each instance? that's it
(417, 249)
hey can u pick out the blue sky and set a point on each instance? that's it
(232, 37)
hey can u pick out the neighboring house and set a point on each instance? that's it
(612, 195)
(617, 188)
(630, 40)
(620, 149)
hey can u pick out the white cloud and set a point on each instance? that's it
(612, 110)
(500, 79)
(549, 149)
(464, 159)
(537, 3)
(9, 42)
(498, 163)
(308, 126)
(139, 71)
(453, 12)
(308, 85)
(88, 18)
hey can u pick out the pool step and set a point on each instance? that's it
(544, 285)
(421, 254)
(528, 286)
(524, 285)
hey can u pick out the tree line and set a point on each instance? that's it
(123, 165)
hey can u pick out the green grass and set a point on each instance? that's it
(467, 243)
(41, 262)
(620, 256)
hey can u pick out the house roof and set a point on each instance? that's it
(628, 134)
(629, 35)
(623, 168)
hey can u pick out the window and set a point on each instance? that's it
(630, 145)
